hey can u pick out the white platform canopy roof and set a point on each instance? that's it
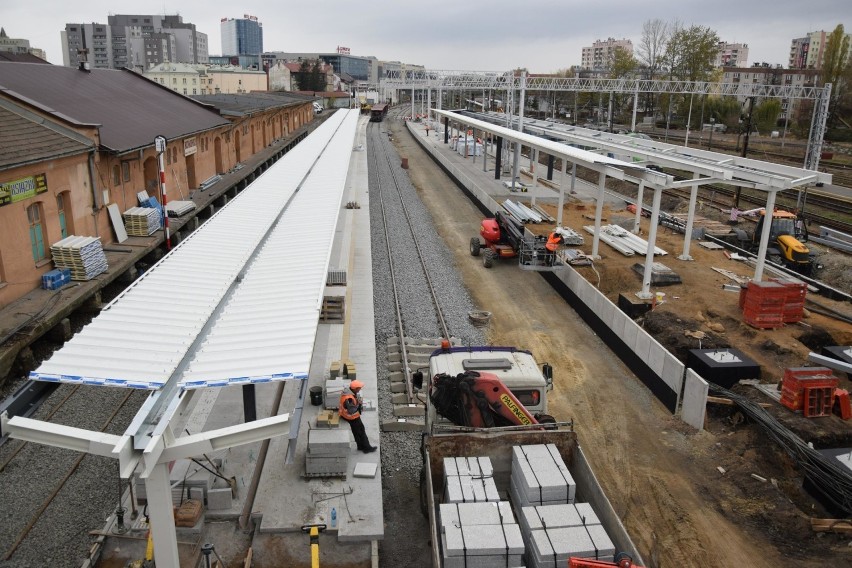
(721, 168)
(238, 301)
(611, 166)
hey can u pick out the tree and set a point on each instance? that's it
(691, 52)
(650, 50)
(622, 64)
(765, 115)
(836, 69)
(652, 46)
(311, 76)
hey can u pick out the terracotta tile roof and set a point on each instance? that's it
(130, 110)
(23, 141)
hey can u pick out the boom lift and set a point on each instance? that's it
(504, 238)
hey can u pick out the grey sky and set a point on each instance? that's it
(541, 35)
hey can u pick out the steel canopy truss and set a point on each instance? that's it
(239, 248)
(722, 168)
(478, 80)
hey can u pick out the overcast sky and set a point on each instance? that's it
(541, 35)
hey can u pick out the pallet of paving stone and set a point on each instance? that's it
(328, 443)
(556, 516)
(468, 514)
(142, 221)
(551, 548)
(540, 477)
(83, 256)
(331, 392)
(326, 466)
(469, 480)
(482, 546)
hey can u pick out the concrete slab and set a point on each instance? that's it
(365, 469)
(402, 425)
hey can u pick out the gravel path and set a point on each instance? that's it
(406, 541)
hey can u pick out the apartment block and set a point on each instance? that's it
(732, 55)
(600, 54)
(135, 42)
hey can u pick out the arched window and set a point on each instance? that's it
(34, 217)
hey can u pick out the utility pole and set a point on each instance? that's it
(745, 145)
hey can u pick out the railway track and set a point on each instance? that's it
(58, 495)
(393, 203)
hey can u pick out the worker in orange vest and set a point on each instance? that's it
(553, 241)
(351, 405)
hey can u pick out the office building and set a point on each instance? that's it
(241, 36)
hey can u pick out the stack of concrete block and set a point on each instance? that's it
(331, 392)
(328, 453)
(551, 548)
(540, 477)
(469, 480)
(553, 533)
(480, 535)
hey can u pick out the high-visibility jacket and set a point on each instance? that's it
(553, 241)
(350, 404)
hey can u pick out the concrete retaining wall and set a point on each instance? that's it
(694, 400)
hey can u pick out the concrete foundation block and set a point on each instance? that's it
(408, 410)
(402, 425)
(219, 499)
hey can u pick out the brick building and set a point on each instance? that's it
(73, 142)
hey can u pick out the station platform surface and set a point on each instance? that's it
(484, 178)
(286, 499)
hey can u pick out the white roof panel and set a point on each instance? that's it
(149, 333)
(576, 155)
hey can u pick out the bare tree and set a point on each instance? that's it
(652, 46)
(650, 51)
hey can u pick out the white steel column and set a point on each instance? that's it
(687, 237)
(412, 103)
(645, 294)
(598, 214)
(764, 236)
(517, 159)
(561, 193)
(429, 106)
(533, 163)
(639, 202)
(159, 493)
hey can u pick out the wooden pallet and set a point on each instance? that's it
(333, 309)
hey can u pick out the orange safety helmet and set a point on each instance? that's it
(354, 385)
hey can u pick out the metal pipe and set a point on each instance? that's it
(639, 204)
(598, 214)
(764, 237)
(561, 204)
(690, 218)
(652, 239)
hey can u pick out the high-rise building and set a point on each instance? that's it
(732, 55)
(809, 52)
(241, 36)
(600, 54)
(19, 46)
(135, 41)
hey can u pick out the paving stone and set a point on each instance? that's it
(365, 469)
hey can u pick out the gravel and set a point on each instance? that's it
(406, 541)
(60, 536)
